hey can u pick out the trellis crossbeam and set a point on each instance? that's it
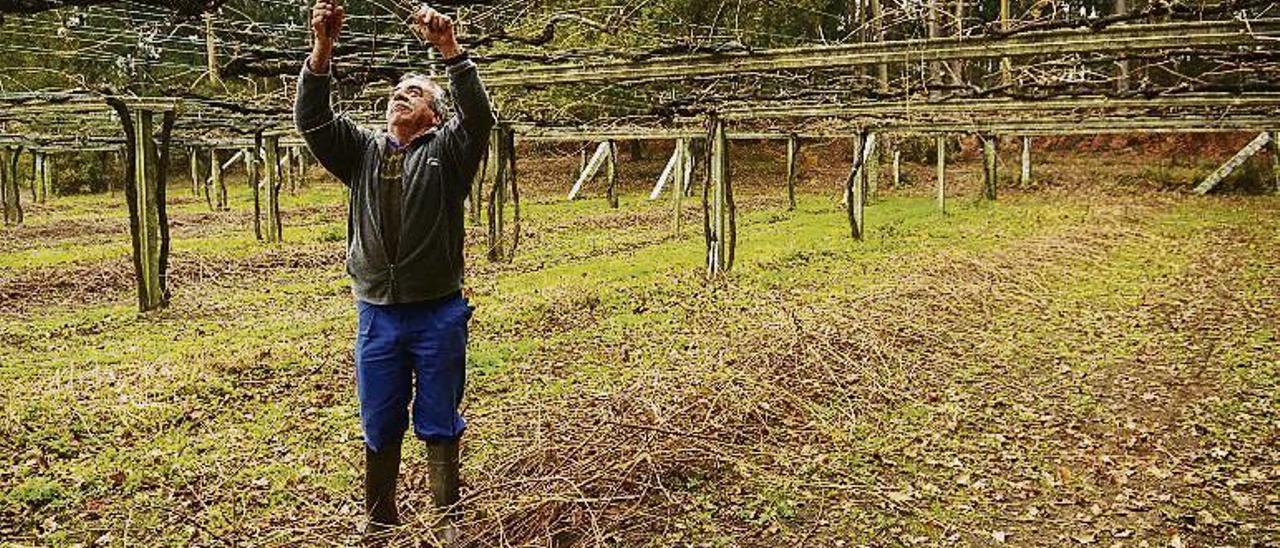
(1120, 38)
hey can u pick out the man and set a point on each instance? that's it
(404, 251)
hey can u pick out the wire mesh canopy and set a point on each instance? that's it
(912, 65)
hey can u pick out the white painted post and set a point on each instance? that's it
(686, 163)
(233, 159)
(1025, 179)
(666, 173)
(588, 172)
(1240, 157)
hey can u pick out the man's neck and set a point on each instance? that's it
(402, 136)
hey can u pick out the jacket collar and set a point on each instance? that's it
(421, 138)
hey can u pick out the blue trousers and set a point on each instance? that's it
(412, 351)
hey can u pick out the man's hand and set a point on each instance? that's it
(437, 28)
(326, 24)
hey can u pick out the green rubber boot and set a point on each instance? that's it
(442, 466)
(381, 469)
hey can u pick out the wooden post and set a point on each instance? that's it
(302, 165)
(1275, 157)
(35, 178)
(721, 225)
(855, 188)
(146, 166)
(793, 153)
(271, 185)
(502, 141)
(611, 174)
(872, 161)
(897, 167)
(679, 182)
(247, 156)
(10, 195)
(206, 182)
(251, 170)
(286, 169)
(487, 168)
(4, 183)
(215, 180)
(38, 159)
(689, 156)
(695, 149)
(40, 179)
(858, 141)
(513, 189)
(51, 168)
(498, 197)
(146, 203)
(989, 167)
(942, 172)
(1024, 180)
(194, 158)
(211, 50)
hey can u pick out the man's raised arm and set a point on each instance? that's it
(334, 140)
(468, 131)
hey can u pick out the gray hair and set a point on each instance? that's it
(437, 92)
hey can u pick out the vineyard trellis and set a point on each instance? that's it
(928, 69)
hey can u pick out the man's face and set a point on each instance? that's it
(410, 105)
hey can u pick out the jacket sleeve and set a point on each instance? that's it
(466, 134)
(336, 142)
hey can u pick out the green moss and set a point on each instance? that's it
(37, 491)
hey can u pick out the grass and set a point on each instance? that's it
(1063, 366)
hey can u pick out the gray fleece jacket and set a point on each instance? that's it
(438, 169)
